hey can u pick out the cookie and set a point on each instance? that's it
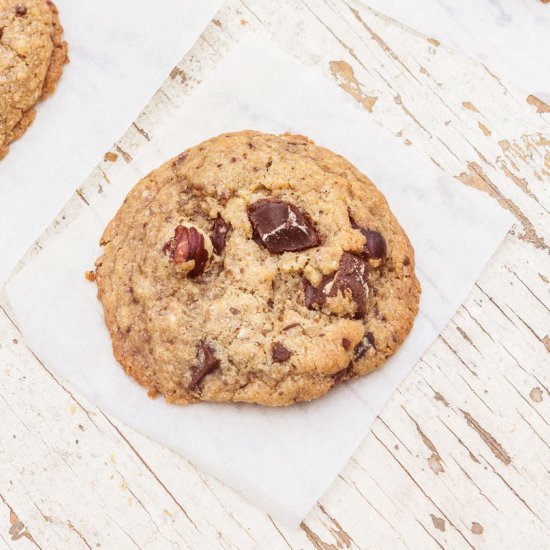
(255, 268)
(32, 55)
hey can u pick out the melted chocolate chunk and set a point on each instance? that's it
(187, 244)
(20, 11)
(364, 345)
(281, 226)
(219, 235)
(280, 354)
(351, 278)
(346, 343)
(207, 362)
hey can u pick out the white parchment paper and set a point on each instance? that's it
(281, 459)
(511, 37)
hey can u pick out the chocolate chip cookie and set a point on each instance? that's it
(255, 268)
(32, 55)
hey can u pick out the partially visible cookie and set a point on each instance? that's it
(255, 268)
(32, 55)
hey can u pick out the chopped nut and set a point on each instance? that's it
(189, 244)
(314, 276)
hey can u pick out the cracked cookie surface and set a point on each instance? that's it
(32, 55)
(255, 268)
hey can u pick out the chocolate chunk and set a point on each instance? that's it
(187, 244)
(364, 345)
(406, 261)
(344, 374)
(207, 362)
(346, 343)
(182, 158)
(292, 325)
(280, 354)
(351, 278)
(281, 226)
(20, 11)
(315, 295)
(219, 235)
(375, 246)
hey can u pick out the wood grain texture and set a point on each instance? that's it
(458, 458)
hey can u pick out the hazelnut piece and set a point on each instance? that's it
(189, 248)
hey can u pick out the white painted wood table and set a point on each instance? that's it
(460, 455)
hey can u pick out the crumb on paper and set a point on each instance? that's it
(243, 22)
(477, 528)
(434, 42)
(90, 276)
(536, 395)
